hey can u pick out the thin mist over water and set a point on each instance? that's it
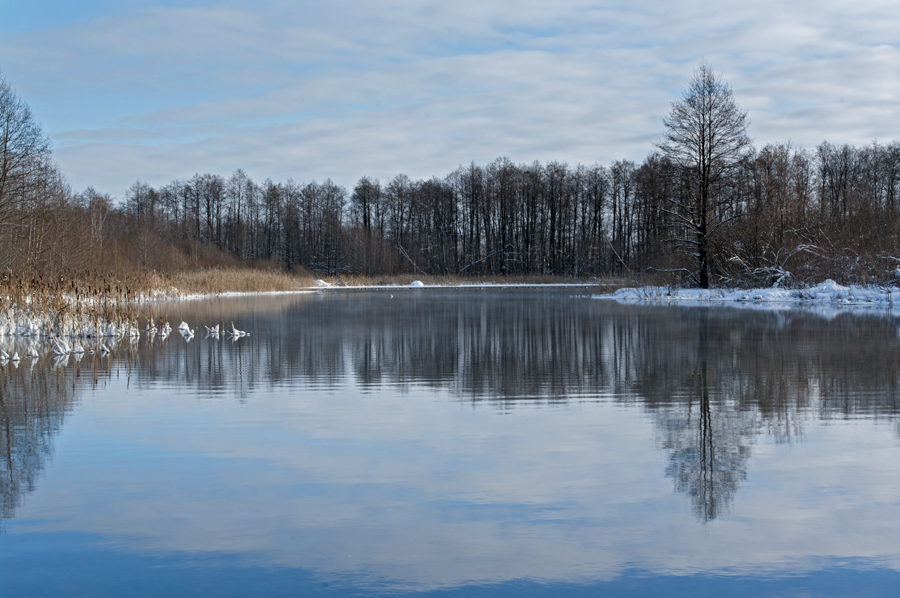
(435, 433)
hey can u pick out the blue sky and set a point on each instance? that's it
(156, 91)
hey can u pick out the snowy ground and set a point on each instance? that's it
(827, 299)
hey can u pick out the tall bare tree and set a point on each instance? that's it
(706, 135)
(23, 146)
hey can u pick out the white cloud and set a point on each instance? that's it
(345, 89)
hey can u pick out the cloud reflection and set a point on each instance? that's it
(428, 444)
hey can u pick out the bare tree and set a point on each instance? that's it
(365, 202)
(23, 146)
(706, 135)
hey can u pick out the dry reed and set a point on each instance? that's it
(239, 280)
(70, 303)
(91, 303)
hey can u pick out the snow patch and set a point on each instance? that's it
(827, 295)
(417, 283)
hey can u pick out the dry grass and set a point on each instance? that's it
(86, 302)
(235, 280)
(79, 300)
(68, 302)
(246, 280)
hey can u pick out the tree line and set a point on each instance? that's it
(689, 215)
(781, 212)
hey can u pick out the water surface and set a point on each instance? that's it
(460, 442)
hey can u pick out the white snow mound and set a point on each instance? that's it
(826, 294)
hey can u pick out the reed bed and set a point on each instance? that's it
(235, 280)
(98, 305)
(72, 304)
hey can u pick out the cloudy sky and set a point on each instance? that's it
(159, 90)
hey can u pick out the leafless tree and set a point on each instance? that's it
(706, 135)
(23, 147)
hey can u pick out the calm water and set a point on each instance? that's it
(460, 443)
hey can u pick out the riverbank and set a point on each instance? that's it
(827, 298)
(93, 305)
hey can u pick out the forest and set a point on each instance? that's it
(743, 217)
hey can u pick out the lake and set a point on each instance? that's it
(460, 442)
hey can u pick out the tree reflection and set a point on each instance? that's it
(709, 444)
(33, 404)
(35, 397)
(712, 379)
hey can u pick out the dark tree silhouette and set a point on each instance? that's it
(706, 135)
(22, 145)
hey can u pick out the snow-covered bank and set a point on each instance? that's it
(827, 299)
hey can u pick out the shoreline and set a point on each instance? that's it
(103, 317)
(827, 299)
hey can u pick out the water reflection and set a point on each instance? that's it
(508, 347)
(709, 445)
(33, 405)
(712, 379)
(441, 427)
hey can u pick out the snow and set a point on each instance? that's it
(42, 329)
(417, 283)
(827, 298)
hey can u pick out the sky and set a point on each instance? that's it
(154, 91)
